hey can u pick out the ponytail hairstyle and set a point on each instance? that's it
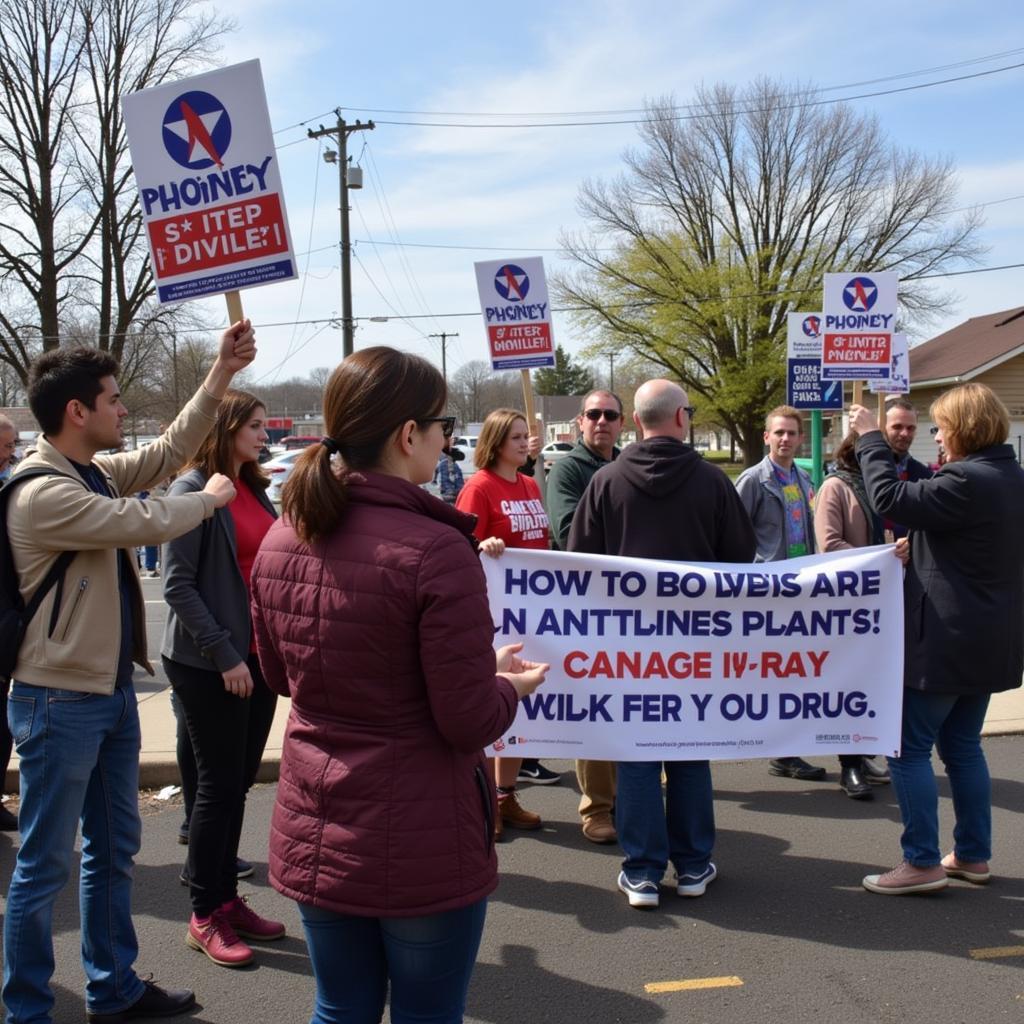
(367, 398)
(216, 453)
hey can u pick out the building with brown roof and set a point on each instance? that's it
(988, 349)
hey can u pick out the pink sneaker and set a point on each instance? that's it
(215, 937)
(248, 923)
(976, 871)
(905, 879)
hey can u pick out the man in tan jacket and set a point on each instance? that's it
(72, 706)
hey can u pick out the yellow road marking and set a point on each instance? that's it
(693, 983)
(995, 952)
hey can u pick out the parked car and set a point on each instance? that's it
(466, 443)
(278, 469)
(555, 450)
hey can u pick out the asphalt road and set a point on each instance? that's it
(786, 924)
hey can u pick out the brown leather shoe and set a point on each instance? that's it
(599, 828)
(515, 816)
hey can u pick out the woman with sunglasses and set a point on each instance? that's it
(370, 610)
(509, 513)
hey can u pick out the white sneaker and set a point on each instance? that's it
(695, 885)
(640, 893)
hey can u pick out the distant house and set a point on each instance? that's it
(988, 349)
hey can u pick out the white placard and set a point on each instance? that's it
(517, 312)
(209, 185)
(659, 660)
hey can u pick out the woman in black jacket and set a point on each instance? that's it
(210, 658)
(964, 624)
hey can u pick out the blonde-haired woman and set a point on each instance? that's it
(509, 513)
(964, 604)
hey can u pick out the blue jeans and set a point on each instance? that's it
(79, 761)
(653, 831)
(428, 961)
(953, 723)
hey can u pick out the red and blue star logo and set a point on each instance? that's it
(511, 282)
(197, 131)
(860, 294)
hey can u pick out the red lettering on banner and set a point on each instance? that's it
(218, 236)
(520, 339)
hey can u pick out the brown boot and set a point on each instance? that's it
(515, 816)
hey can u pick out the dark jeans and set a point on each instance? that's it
(6, 742)
(428, 962)
(228, 735)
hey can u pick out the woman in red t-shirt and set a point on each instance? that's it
(509, 513)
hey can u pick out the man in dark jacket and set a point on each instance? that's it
(600, 423)
(661, 500)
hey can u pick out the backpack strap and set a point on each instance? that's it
(63, 560)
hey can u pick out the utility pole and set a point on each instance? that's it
(611, 371)
(444, 336)
(341, 132)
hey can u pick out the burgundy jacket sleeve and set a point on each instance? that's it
(270, 663)
(471, 706)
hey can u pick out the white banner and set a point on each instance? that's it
(676, 661)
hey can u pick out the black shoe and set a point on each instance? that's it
(531, 770)
(154, 1002)
(183, 833)
(8, 821)
(851, 779)
(243, 869)
(795, 768)
(875, 773)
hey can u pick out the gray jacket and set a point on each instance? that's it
(761, 494)
(208, 622)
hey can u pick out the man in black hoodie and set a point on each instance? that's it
(660, 499)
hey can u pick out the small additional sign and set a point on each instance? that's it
(898, 382)
(209, 187)
(517, 312)
(804, 387)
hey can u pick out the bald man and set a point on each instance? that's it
(660, 499)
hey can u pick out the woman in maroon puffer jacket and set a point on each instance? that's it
(370, 612)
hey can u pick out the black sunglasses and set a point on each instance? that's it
(933, 431)
(447, 423)
(611, 415)
(689, 410)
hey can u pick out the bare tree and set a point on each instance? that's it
(475, 389)
(725, 220)
(71, 238)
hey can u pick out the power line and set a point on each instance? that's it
(697, 116)
(679, 106)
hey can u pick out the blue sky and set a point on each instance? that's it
(515, 189)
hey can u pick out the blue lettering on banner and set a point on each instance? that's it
(531, 311)
(858, 321)
(205, 189)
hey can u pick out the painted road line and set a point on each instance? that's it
(996, 952)
(693, 984)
